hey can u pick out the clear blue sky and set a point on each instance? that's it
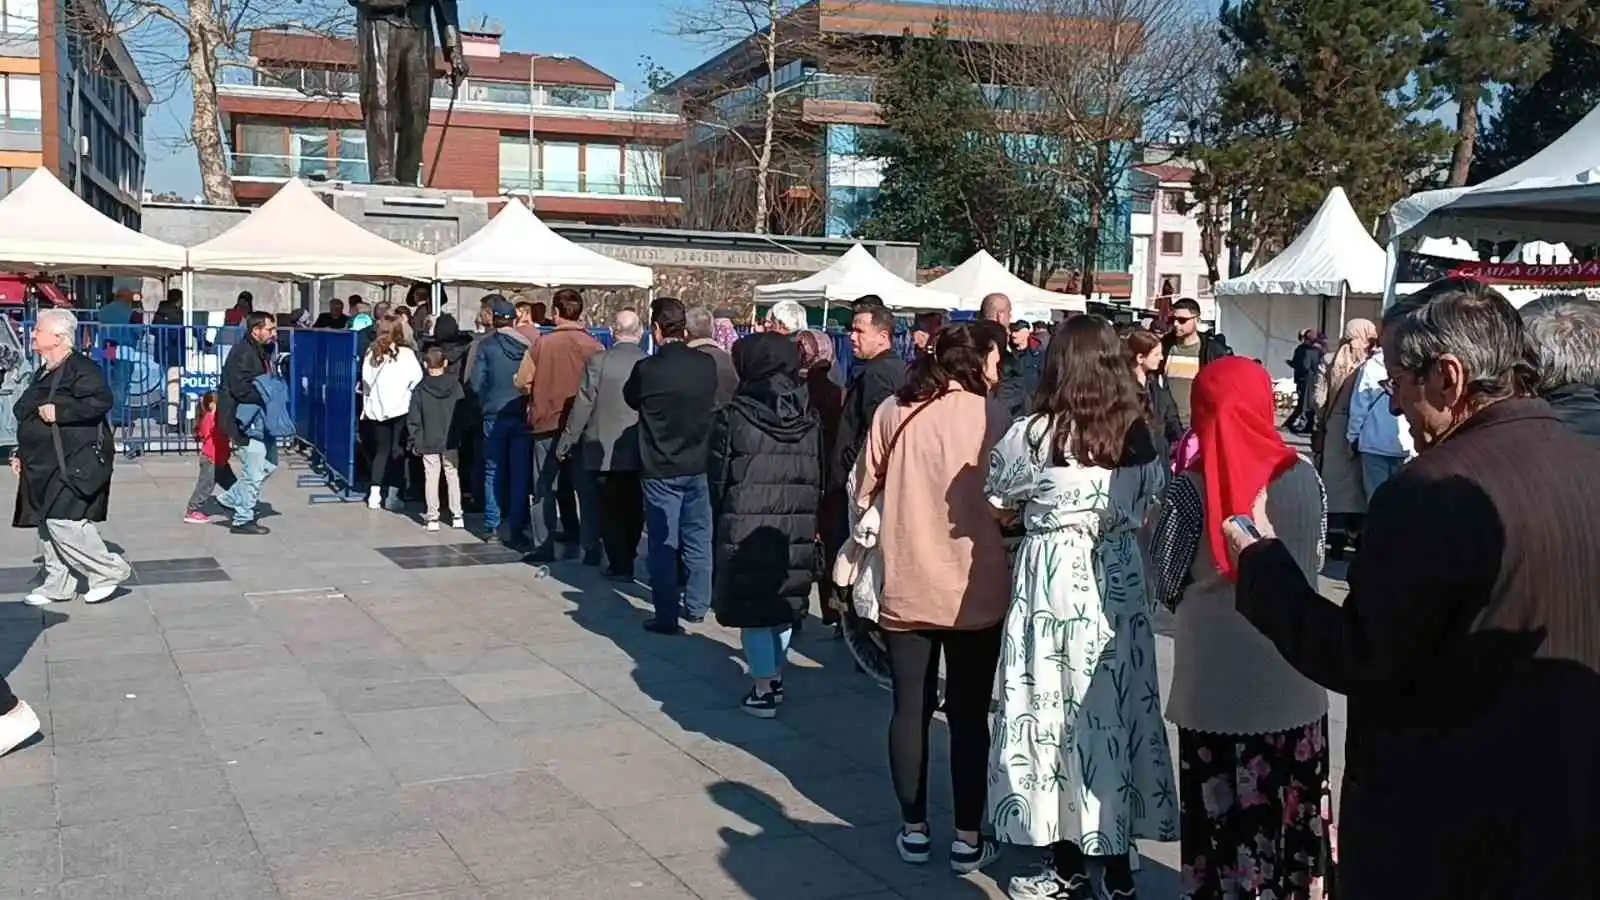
(609, 34)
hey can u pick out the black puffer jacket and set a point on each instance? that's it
(766, 485)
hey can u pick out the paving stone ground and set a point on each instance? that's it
(300, 716)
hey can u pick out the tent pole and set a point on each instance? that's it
(1391, 271)
(1342, 290)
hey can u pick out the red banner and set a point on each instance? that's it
(1530, 273)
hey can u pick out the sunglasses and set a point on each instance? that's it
(1183, 319)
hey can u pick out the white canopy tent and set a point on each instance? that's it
(45, 227)
(982, 275)
(295, 235)
(516, 248)
(1554, 196)
(854, 275)
(1263, 312)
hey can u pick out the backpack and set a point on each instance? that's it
(272, 419)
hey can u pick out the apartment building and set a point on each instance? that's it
(1167, 258)
(545, 127)
(71, 104)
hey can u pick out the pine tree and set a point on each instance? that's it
(1317, 94)
(1530, 117)
(1476, 44)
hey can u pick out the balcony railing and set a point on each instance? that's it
(346, 85)
(646, 188)
(282, 166)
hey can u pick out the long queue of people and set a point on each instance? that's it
(1015, 529)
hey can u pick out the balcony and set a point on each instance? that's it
(654, 187)
(282, 167)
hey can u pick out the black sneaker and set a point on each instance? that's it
(762, 706)
(656, 626)
(542, 556)
(965, 858)
(777, 690)
(695, 620)
(250, 528)
(593, 558)
(913, 846)
(491, 538)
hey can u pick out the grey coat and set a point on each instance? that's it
(602, 426)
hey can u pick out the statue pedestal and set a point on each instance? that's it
(427, 220)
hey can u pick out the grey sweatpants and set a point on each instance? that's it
(72, 549)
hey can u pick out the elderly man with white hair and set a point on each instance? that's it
(63, 457)
(786, 317)
(604, 431)
(1564, 333)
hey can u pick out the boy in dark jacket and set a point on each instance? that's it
(434, 425)
(766, 485)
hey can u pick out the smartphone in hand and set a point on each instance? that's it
(1246, 525)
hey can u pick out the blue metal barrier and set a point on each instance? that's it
(323, 374)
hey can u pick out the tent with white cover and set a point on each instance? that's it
(1332, 272)
(296, 236)
(854, 275)
(982, 275)
(1553, 196)
(45, 227)
(516, 248)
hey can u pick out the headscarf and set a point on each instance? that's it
(1241, 451)
(1347, 360)
(722, 331)
(445, 327)
(816, 350)
(765, 355)
(360, 322)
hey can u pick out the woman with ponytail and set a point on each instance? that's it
(1252, 732)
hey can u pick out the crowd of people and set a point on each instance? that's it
(1006, 511)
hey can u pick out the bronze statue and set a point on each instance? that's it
(395, 42)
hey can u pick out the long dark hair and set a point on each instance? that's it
(960, 354)
(1088, 391)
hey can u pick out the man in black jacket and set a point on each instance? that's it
(674, 392)
(1185, 351)
(1563, 330)
(1012, 392)
(877, 374)
(1305, 363)
(248, 360)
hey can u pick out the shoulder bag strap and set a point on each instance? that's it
(894, 440)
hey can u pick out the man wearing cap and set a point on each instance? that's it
(1028, 361)
(507, 443)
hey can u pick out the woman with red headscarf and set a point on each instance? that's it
(1252, 732)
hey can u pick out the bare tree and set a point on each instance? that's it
(1092, 78)
(190, 44)
(740, 99)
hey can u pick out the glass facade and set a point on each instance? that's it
(345, 83)
(579, 168)
(19, 16)
(24, 104)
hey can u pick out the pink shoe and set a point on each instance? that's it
(196, 518)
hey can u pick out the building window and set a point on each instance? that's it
(259, 152)
(644, 175)
(848, 209)
(517, 169)
(559, 168)
(499, 92)
(310, 147)
(1172, 202)
(1171, 243)
(19, 16)
(577, 97)
(1171, 287)
(602, 169)
(1204, 286)
(352, 155)
(24, 107)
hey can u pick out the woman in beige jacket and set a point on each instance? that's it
(945, 581)
(1338, 465)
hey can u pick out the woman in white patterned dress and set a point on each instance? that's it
(1080, 761)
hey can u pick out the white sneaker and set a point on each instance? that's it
(38, 599)
(375, 498)
(102, 593)
(433, 525)
(17, 726)
(394, 503)
(461, 522)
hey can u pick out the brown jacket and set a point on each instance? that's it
(552, 372)
(1469, 648)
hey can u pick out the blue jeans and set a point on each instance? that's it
(257, 461)
(766, 650)
(677, 516)
(1376, 469)
(507, 454)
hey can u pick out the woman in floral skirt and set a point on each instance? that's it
(1252, 732)
(1079, 760)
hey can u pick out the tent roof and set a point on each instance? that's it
(982, 274)
(854, 275)
(296, 235)
(45, 227)
(1553, 196)
(516, 248)
(1334, 253)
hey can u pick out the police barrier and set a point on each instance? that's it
(323, 374)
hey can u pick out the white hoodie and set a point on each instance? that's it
(386, 385)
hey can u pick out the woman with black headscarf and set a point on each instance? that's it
(766, 484)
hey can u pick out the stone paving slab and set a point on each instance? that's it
(352, 707)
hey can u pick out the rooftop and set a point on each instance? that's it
(487, 60)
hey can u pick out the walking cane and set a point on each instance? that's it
(449, 111)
